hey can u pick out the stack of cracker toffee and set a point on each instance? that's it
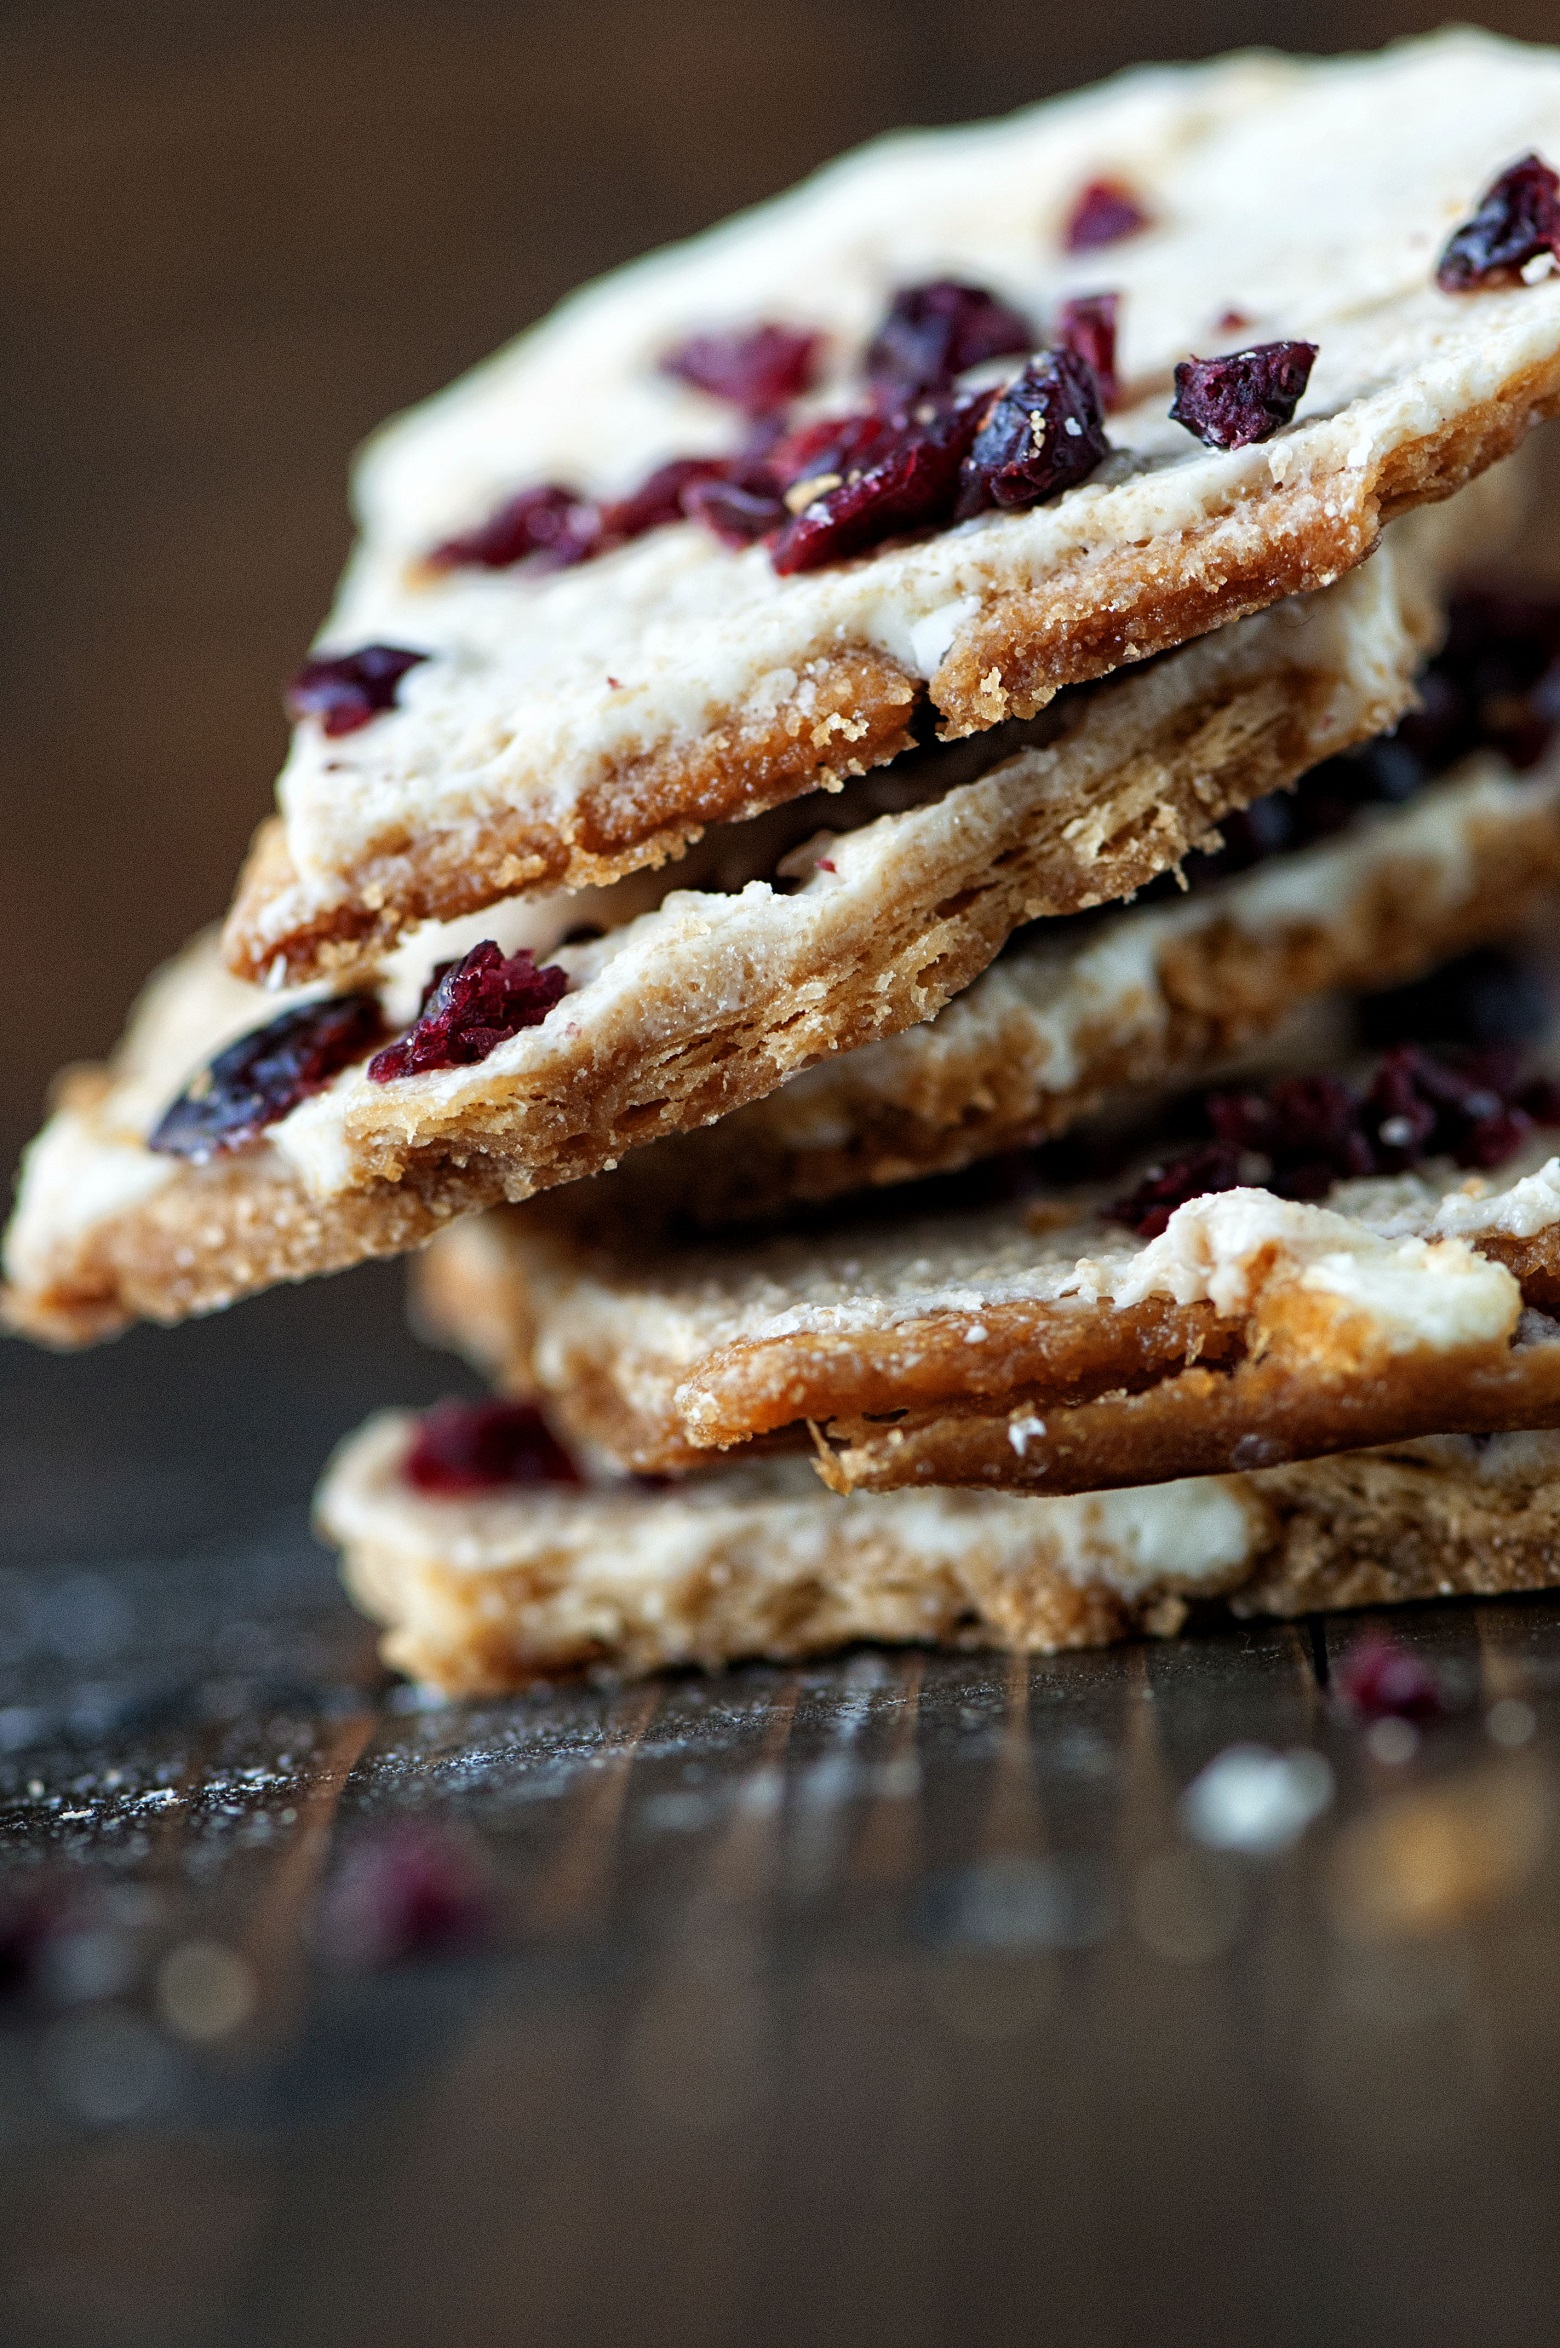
(919, 858)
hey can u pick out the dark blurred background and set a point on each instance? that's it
(232, 239)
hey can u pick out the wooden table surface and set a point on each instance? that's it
(890, 2001)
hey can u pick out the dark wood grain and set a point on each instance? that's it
(837, 2003)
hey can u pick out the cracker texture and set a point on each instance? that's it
(1156, 995)
(576, 726)
(1032, 1346)
(711, 998)
(482, 1596)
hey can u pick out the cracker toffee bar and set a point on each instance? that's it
(1353, 1253)
(733, 523)
(224, 1149)
(493, 1563)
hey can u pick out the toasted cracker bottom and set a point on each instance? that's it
(482, 1595)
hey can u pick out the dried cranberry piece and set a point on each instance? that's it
(823, 456)
(1491, 1140)
(1104, 212)
(659, 499)
(549, 527)
(1045, 432)
(1318, 1138)
(1242, 1120)
(908, 481)
(1380, 1679)
(1403, 1114)
(740, 503)
(933, 332)
(830, 445)
(1310, 1132)
(265, 1074)
(1087, 326)
(1149, 1208)
(402, 1892)
(553, 529)
(481, 1446)
(470, 1007)
(1245, 396)
(1422, 1106)
(759, 369)
(346, 689)
(1518, 217)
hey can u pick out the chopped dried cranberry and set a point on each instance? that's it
(1308, 1127)
(1517, 219)
(1087, 325)
(1491, 1140)
(905, 477)
(1045, 432)
(469, 1009)
(1316, 1137)
(1420, 1106)
(554, 529)
(1103, 213)
(1244, 396)
(759, 369)
(1149, 1208)
(933, 332)
(659, 499)
(834, 444)
(481, 1446)
(1306, 1133)
(264, 1075)
(406, 1891)
(347, 689)
(1379, 1679)
(739, 504)
(548, 527)
(824, 444)
(1403, 1112)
